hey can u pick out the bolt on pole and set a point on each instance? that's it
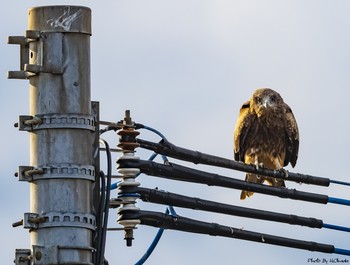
(55, 58)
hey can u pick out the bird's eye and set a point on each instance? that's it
(273, 98)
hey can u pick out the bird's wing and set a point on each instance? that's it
(241, 131)
(292, 133)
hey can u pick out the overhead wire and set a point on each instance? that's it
(166, 148)
(177, 172)
(194, 226)
(168, 198)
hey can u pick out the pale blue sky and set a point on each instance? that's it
(185, 67)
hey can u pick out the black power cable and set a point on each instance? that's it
(177, 172)
(168, 198)
(100, 214)
(165, 221)
(105, 208)
(164, 147)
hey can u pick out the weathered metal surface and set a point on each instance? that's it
(55, 57)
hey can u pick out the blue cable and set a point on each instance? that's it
(151, 247)
(165, 159)
(153, 130)
(152, 156)
(342, 251)
(336, 227)
(339, 201)
(339, 182)
(156, 238)
(114, 185)
(172, 211)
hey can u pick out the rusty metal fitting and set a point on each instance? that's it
(127, 140)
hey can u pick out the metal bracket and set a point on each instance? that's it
(50, 255)
(35, 221)
(25, 173)
(23, 257)
(56, 121)
(40, 52)
(32, 220)
(56, 171)
(53, 219)
(22, 124)
(45, 255)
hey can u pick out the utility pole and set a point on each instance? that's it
(55, 57)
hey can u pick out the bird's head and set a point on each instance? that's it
(266, 101)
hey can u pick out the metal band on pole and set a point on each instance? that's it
(55, 57)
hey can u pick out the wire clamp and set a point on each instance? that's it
(33, 221)
(56, 121)
(56, 171)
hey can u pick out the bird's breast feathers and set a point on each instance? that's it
(265, 143)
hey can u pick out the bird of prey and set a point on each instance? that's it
(266, 135)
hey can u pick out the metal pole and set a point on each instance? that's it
(55, 57)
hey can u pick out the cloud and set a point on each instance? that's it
(185, 68)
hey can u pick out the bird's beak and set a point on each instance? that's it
(265, 104)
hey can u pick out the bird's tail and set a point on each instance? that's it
(245, 194)
(253, 179)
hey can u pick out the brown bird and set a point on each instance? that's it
(266, 135)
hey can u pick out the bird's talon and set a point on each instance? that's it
(285, 172)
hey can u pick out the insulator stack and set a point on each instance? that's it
(128, 143)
